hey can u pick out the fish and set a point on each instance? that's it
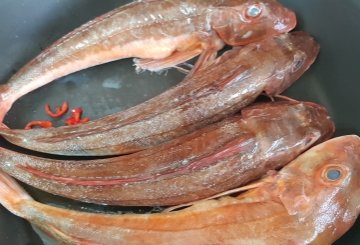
(231, 82)
(211, 160)
(158, 33)
(314, 199)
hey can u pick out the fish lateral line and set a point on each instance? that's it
(235, 147)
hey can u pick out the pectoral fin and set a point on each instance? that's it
(206, 57)
(169, 62)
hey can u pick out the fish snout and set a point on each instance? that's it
(304, 50)
(299, 51)
(356, 150)
(352, 149)
(285, 21)
(319, 116)
(282, 19)
(346, 149)
(305, 43)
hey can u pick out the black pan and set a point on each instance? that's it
(27, 27)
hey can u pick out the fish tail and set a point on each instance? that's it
(12, 195)
(5, 103)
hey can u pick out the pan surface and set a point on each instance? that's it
(27, 27)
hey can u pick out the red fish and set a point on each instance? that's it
(165, 33)
(211, 160)
(313, 200)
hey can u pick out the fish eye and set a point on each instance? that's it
(334, 174)
(253, 11)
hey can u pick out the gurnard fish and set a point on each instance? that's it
(231, 82)
(211, 160)
(313, 200)
(161, 33)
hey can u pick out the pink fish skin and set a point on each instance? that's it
(211, 160)
(163, 33)
(230, 83)
(313, 200)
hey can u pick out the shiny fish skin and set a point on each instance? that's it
(208, 96)
(313, 210)
(209, 161)
(149, 30)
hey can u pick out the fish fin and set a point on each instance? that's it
(168, 62)
(211, 43)
(226, 193)
(206, 58)
(11, 193)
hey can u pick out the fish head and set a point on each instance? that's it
(298, 52)
(322, 186)
(315, 116)
(306, 119)
(239, 22)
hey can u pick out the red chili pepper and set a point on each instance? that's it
(76, 113)
(76, 117)
(70, 121)
(42, 124)
(60, 110)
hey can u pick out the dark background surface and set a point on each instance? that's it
(28, 26)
